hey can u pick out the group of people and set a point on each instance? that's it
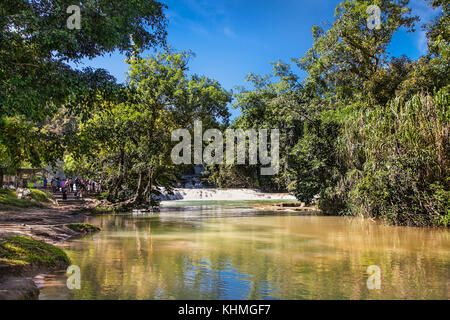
(73, 185)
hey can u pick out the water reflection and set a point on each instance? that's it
(223, 253)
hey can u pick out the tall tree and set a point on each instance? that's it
(36, 49)
(131, 142)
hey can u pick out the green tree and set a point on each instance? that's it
(131, 142)
(36, 47)
(360, 131)
(404, 179)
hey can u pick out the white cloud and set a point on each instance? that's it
(426, 13)
(422, 42)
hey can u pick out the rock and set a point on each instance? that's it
(15, 288)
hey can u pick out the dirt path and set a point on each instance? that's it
(46, 224)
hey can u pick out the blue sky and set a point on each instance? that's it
(234, 37)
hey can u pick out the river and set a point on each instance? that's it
(234, 252)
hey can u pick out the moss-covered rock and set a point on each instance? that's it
(19, 255)
(22, 257)
(83, 227)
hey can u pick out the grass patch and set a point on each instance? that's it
(9, 198)
(101, 209)
(37, 198)
(40, 196)
(83, 227)
(19, 252)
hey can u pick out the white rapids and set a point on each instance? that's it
(216, 194)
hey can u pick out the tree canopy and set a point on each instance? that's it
(37, 52)
(129, 143)
(365, 133)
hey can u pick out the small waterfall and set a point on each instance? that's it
(216, 194)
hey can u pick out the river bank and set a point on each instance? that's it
(23, 229)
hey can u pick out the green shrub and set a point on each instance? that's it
(405, 177)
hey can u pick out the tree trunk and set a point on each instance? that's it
(1, 178)
(139, 196)
(148, 188)
(112, 194)
(140, 190)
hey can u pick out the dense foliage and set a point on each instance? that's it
(364, 133)
(37, 80)
(128, 145)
